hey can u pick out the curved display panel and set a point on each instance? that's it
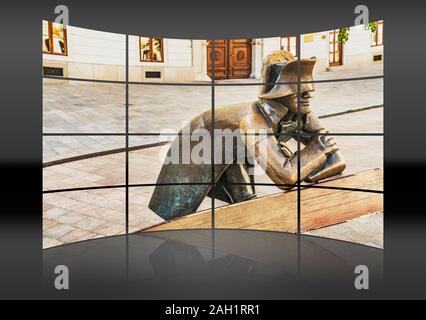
(143, 133)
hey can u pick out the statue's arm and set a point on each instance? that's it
(279, 163)
(335, 162)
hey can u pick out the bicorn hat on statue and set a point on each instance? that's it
(280, 67)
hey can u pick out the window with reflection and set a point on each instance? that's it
(377, 36)
(289, 43)
(54, 38)
(151, 49)
(335, 48)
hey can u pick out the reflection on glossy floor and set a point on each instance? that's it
(224, 264)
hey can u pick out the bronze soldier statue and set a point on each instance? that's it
(274, 113)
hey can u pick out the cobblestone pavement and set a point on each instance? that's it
(80, 215)
(83, 107)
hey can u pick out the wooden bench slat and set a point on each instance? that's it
(278, 212)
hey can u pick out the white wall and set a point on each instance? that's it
(357, 51)
(90, 46)
(101, 55)
(177, 53)
(271, 44)
(261, 47)
(315, 45)
(180, 61)
(91, 54)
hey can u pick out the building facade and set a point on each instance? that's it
(82, 53)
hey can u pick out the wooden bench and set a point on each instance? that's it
(320, 207)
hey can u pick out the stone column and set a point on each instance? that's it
(199, 60)
(256, 58)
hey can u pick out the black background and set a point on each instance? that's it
(21, 111)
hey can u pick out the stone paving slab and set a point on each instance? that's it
(367, 230)
(84, 107)
(344, 72)
(88, 107)
(328, 98)
(366, 121)
(340, 72)
(82, 215)
(361, 153)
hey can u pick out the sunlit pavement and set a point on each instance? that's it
(84, 108)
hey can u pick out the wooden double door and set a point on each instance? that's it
(232, 58)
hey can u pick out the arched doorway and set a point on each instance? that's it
(232, 58)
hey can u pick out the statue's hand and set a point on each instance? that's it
(334, 165)
(326, 144)
(288, 127)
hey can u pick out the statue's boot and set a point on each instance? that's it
(235, 185)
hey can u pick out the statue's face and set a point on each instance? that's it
(290, 102)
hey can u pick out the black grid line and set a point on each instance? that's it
(299, 126)
(139, 185)
(208, 84)
(175, 84)
(130, 185)
(314, 186)
(84, 79)
(254, 83)
(304, 134)
(102, 153)
(127, 134)
(213, 119)
(88, 134)
(344, 79)
(343, 134)
(299, 135)
(350, 111)
(127, 159)
(111, 186)
(213, 84)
